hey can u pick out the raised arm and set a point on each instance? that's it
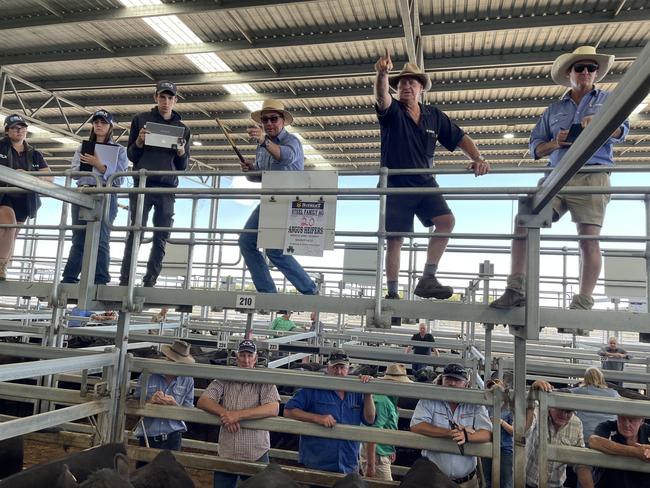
(382, 94)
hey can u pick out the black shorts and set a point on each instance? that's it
(18, 202)
(400, 210)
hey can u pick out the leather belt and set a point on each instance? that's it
(465, 478)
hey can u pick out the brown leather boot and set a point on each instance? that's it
(510, 299)
(430, 287)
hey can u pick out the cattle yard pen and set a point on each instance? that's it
(108, 399)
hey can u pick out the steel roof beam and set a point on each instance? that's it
(296, 39)
(458, 63)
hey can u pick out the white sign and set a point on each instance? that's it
(245, 301)
(305, 228)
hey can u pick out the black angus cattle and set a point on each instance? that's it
(81, 465)
(270, 477)
(103, 478)
(163, 472)
(352, 480)
(11, 454)
(425, 474)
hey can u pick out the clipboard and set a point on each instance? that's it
(106, 153)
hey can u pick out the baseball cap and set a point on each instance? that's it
(338, 356)
(103, 114)
(454, 370)
(15, 119)
(166, 86)
(247, 346)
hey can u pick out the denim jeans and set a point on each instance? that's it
(171, 443)
(506, 473)
(73, 266)
(163, 216)
(229, 480)
(260, 271)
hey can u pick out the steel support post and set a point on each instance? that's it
(519, 413)
(91, 245)
(497, 405)
(542, 432)
(119, 383)
(381, 240)
(647, 259)
(129, 304)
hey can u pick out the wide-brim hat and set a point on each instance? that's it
(397, 373)
(412, 70)
(179, 352)
(561, 66)
(272, 106)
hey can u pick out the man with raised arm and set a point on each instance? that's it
(409, 131)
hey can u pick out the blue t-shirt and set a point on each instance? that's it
(506, 437)
(407, 145)
(336, 455)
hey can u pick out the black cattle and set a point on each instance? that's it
(163, 472)
(270, 477)
(425, 474)
(103, 478)
(81, 465)
(352, 480)
(11, 454)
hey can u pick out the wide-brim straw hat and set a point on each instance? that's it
(397, 373)
(272, 106)
(412, 70)
(561, 66)
(179, 352)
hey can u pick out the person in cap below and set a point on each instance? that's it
(101, 132)
(328, 408)
(16, 208)
(376, 459)
(234, 402)
(409, 131)
(277, 150)
(564, 428)
(166, 390)
(153, 158)
(461, 422)
(578, 71)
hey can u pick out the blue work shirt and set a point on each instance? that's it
(122, 165)
(439, 414)
(181, 388)
(564, 113)
(407, 145)
(506, 437)
(336, 455)
(292, 157)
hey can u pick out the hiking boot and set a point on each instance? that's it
(430, 287)
(579, 302)
(397, 321)
(3, 269)
(510, 299)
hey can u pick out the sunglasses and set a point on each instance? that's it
(580, 67)
(271, 118)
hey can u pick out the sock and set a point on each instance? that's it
(392, 287)
(430, 269)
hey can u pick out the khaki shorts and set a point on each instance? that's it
(382, 465)
(584, 209)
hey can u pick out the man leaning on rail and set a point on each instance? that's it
(277, 150)
(579, 71)
(409, 131)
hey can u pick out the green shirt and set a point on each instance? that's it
(386, 417)
(280, 323)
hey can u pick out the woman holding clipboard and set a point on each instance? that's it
(114, 160)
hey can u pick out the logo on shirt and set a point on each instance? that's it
(3, 156)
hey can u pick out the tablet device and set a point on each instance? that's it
(574, 132)
(163, 135)
(87, 147)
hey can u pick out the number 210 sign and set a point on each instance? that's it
(245, 301)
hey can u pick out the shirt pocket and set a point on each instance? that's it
(324, 407)
(430, 142)
(560, 121)
(178, 392)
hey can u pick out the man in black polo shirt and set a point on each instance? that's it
(422, 336)
(625, 436)
(409, 132)
(154, 158)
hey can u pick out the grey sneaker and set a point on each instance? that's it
(510, 299)
(430, 287)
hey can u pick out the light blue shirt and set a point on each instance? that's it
(292, 157)
(122, 165)
(561, 115)
(181, 388)
(590, 420)
(439, 414)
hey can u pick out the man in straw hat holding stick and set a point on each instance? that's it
(409, 131)
(167, 390)
(376, 459)
(277, 150)
(552, 137)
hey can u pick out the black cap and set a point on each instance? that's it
(338, 356)
(454, 370)
(166, 86)
(247, 346)
(103, 114)
(15, 119)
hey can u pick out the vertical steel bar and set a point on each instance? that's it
(381, 240)
(497, 403)
(519, 437)
(543, 439)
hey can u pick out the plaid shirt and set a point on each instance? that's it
(569, 435)
(247, 444)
